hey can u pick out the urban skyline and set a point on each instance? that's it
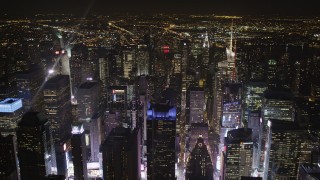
(170, 95)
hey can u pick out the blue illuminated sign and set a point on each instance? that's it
(169, 115)
(10, 105)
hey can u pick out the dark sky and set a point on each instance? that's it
(221, 7)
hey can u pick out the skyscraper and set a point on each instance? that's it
(10, 113)
(28, 84)
(199, 165)
(161, 130)
(35, 147)
(196, 106)
(121, 155)
(57, 105)
(88, 100)
(79, 152)
(239, 151)
(8, 159)
(289, 145)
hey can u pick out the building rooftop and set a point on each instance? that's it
(31, 119)
(239, 135)
(10, 105)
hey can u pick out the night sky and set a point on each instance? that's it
(221, 7)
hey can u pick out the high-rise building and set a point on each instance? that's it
(142, 60)
(239, 151)
(129, 59)
(121, 154)
(288, 146)
(206, 46)
(197, 105)
(88, 100)
(7, 75)
(199, 165)
(28, 84)
(57, 105)
(79, 152)
(8, 159)
(254, 95)
(308, 171)
(277, 105)
(161, 130)
(272, 74)
(10, 113)
(79, 54)
(36, 152)
(97, 135)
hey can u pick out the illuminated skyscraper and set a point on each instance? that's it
(97, 135)
(161, 131)
(10, 113)
(28, 84)
(239, 146)
(8, 159)
(272, 72)
(88, 100)
(79, 152)
(121, 155)
(206, 46)
(199, 165)
(129, 59)
(278, 105)
(36, 152)
(142, 60)
(197, 105)
(289, 145)
(57, 104)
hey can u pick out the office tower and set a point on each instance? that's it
(117, 101)
(199, 165)
(297, 79)
(89, 67)
(277, 105)
(288, 146)
(177, 63)
(28, 84)
(88, 100)
(196, 130)
(121, 154)
(79, 152)
(103, 77)
(272, 74)
(8, 159)
(232, 104)
(308, 171)
(239, 150)
(97, 135)
(129, 60)
(197, 105)
(161, 130)
(185, 53)
(36, 152)
(57, 105)
(254, 95)
(7, 75)
(10, 113)
(255, 123)
(231, 58)
(79, 54)
(142, 60)
(205, 54)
